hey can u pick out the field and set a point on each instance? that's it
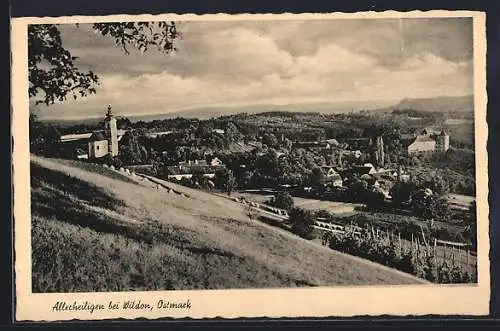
(462, 201)
(101, 231)
(462, 134)
(334, 207)
(349, 210)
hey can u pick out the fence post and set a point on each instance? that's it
(453, 255)
(435, 252)
(460, 259)
(467, 260)
(400, 244)
(423, 235)
(417, 248)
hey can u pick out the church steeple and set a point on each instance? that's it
(111, 126)
(109, 114)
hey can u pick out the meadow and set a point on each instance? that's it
(96, 231)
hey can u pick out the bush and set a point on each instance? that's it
(302, 222)
(282, 200)
(114, 161)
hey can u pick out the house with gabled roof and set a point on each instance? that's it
(332, 176)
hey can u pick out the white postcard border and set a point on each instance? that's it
(301, 302)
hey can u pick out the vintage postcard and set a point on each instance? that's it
(278, 165)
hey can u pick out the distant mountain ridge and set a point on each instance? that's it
(440, 104)
(317, 107)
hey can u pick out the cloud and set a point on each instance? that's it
(251, 62)
(244, 55)
(331, 59)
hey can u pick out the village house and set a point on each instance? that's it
(371, 180)
(332, 142)
(186, 169)
(188, 176)
(358, 144)
(366, 168)
(190, 163)
(158, 134)
(214, 162)
(332, 176)
(280, 155)
(311, 144)
(356, 153)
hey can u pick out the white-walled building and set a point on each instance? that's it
(426, 144)
(98, 145)
(100, 142)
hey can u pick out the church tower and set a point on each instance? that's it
(112, 132)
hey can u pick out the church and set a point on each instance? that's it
(96, 144)
(102, 143)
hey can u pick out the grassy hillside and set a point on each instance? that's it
(101, 232)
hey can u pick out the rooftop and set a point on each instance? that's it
(75, 136)
(423, 139)
(97, 136)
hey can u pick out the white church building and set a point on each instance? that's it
(100, 142)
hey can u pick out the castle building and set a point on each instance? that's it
(425, 144)
(442, 142)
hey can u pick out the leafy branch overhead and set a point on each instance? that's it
(53, 74)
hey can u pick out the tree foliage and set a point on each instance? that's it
(302, 222)
(282, 200)
(401, 193)
(224, 179)
(317, 177)
(51, 67)
(431, 206)
(53, 73)
(374, 198)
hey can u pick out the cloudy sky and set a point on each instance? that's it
(241, 63)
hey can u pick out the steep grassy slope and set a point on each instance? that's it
(101, 232)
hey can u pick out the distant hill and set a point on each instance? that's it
(463, 104)
(317, 107)
(440, 104)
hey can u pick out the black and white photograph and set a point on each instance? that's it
(252, 153)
